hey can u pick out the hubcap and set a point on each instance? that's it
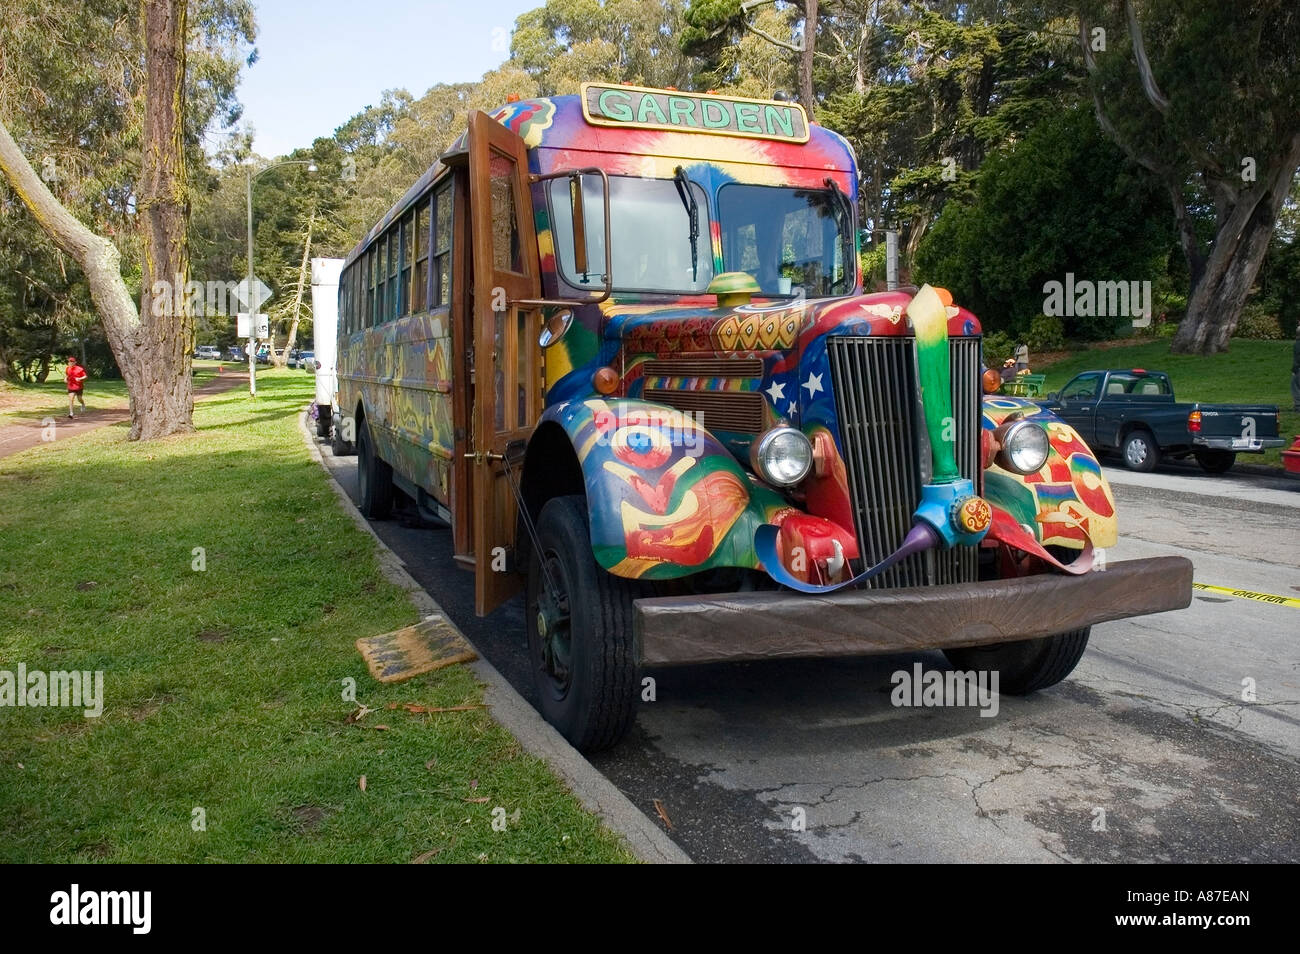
(554, 633)
(1137, 451)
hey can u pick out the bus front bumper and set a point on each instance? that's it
(732, 627)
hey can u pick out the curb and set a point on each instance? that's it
(596, 793)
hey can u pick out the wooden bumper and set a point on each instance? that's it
(680, 630)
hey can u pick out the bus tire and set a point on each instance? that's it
(1028, 665)
(1140, 451)
(581, 643)
(1215, 461)
(374, 478)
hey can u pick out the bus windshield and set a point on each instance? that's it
(790, 240)
(651, 231)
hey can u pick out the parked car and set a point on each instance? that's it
(236, 353)
(307, 361)
(292, 360)
(1133, 411)
(208, 352)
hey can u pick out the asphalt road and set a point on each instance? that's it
(1147, 753)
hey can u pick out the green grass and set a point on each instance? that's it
(1250, 372)
(223, 688)
(25, 399)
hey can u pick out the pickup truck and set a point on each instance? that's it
(1133, 411)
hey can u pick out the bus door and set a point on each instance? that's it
(507, 359)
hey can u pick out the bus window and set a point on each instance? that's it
(408, 261)
(507, 255)
(381, 281)
(420, 247)
(442, 246)
(368, 319)
(653, 250)
(392, 298)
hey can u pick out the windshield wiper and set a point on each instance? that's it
(692, 209)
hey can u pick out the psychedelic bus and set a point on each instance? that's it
(619, 342)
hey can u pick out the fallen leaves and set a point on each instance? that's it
(659, 809)
(417, 709)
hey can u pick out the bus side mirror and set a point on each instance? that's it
(556, 327)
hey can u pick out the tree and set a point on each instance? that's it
(1034, 217)
(712, 26)
(1206, 97)
(82, 118)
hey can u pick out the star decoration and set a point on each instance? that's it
(777, 391)
(791, 410)
(813, 384)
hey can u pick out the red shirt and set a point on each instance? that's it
(75, 375)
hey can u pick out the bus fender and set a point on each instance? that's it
(664, 498)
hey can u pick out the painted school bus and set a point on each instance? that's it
(619, 342)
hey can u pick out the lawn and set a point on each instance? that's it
(39, 400)
(1250, 372)
(224, 679)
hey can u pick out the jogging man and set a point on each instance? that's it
(75, 375)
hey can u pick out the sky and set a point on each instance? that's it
(321, 62)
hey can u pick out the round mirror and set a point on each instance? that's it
(556, 327)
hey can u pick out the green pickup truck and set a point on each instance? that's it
(1133, 411)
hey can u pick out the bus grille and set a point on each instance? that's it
(886, 450)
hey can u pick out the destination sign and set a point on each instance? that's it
(636, 106)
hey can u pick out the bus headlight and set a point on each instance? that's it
(1024, 447)
(782, 456)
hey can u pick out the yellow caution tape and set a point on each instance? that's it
(1250, 595)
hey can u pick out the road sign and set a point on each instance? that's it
(263, 329)
(260, 291)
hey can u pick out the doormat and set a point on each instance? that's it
(407, 652)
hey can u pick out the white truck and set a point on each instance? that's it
(325, 320)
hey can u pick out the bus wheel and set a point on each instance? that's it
(375, 478)
(581, 645)
(1026, 666)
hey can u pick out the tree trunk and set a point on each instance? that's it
(1234, 261)
(806, 57)
(302, 281)
(167, 321)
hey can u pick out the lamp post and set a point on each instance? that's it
(252, 302)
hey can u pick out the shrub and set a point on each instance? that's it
(1046, 333)
(998, 346)
(1259, 322)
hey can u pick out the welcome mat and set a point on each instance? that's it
(412, 650)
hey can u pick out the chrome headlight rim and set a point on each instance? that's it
(1017, 432)
(763, 445)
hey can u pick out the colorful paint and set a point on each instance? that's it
(669, 488)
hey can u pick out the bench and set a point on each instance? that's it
(1026, 385)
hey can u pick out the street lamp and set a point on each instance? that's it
(252, 302)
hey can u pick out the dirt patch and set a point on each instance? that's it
(307, 818)
(212, 635)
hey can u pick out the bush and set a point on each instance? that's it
(1046, 333)
(998, 346)
(1258, 322)
(1166, 329)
